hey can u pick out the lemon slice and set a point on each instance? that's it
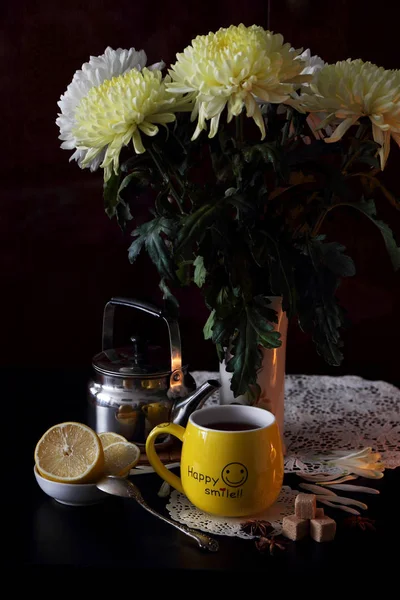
(70, 453)
(120, 458)
(109, 437)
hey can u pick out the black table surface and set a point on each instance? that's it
(116, 534)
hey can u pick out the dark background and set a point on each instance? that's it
(62, 259)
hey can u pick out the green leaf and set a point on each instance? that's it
(195, 225)
(263, 304)
(184, 272)
(223, 295)
(310, 153)
(138, 175)
(371, 161)
(259, 248)
(368, 208)
(137, 160)
(299, 121)
(266, 152)
(334, 259)
(319, 313)
(110, 194)
(224, 326)
(221, 167)
(370, 182)
(246, 359)
(363, 151)
(123, 215)
(136, 247)
(243, 205)
(324, 323)
(244, 332)
(200, 272)
(208, 327)
(267, 253)
(171, 302)
(149, 235)
(267, 336)
(114, 203)
(221, 331)
(237, 168)
(220, 352)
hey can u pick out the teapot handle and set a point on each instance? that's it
(173, 331)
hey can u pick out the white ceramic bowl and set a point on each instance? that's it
(73, 494)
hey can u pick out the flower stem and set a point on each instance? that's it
(320, 220)
(239, 129)
(166, 179)
(361, 135)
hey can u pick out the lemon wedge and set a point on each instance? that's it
(120, 458)
(70, 452)
(109, 437)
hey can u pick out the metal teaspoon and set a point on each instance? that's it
(118, 486)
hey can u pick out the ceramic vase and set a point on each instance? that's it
(271, 376)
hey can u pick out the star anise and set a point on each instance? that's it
(257, 528)
(362, 523)
(270, 543)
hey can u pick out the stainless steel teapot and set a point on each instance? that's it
(130, 397)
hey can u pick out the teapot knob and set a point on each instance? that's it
(137, 355)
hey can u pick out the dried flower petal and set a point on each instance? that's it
(316, 489)
(352, 488)
(364, 463)
(353, 511)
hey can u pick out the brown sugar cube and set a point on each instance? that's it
(322, 529)
(305, 506)
(319, 512)
(294, 528)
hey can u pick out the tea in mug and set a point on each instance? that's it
(233, 426)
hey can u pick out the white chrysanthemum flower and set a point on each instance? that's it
(312, 64)
(351, 89)
(93, 73)
(234, 67)
(116, 112)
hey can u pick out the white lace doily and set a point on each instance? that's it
(324, 413)
(183, 511)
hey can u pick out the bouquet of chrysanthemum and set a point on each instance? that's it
(237, 215)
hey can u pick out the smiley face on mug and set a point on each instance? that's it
(234, 474)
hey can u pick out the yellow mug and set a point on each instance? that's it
(231, 461)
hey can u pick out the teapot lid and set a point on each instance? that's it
(127, 362)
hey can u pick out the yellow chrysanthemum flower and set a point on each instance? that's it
(235, 67)
(351, 89)
(119, 110)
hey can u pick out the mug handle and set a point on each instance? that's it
(152, 455)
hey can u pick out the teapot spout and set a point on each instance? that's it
(183, 407)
